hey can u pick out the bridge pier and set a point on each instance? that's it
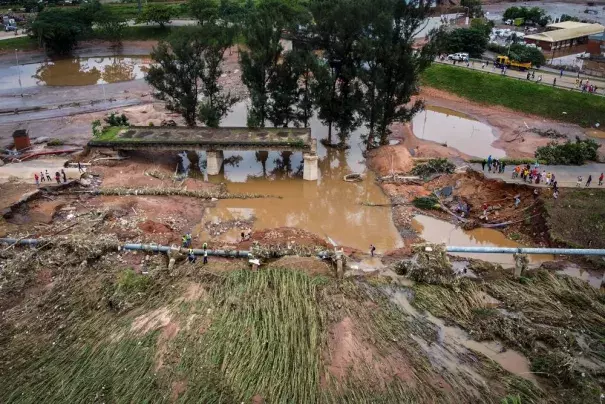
(310, 167)
(214, 161)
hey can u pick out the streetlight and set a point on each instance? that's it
(19, 69)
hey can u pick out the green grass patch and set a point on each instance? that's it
(20, 43)
(109, 134)
(577, 218)
(580, 108)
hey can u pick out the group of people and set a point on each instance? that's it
(191, 254)
(531, 175)
(586, 86)
(45, 177)
(589, 180)
(493, 165)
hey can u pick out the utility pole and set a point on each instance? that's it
(19, 69)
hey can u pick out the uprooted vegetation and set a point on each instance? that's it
(93, 328)
(557, 322)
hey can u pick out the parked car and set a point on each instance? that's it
(460, 56)
(8, 28)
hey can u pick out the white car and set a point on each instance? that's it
(458, 56)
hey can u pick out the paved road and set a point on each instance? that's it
(568, 81)
(566, 176)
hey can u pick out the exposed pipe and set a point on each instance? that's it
(159, 248)
(521, 250)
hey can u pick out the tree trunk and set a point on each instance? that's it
(330, 132)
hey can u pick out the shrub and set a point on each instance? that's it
(436, 166)
(569, 153)
(116, 120)
(426, 202)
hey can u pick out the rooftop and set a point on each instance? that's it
(225, 138)
(567, 33)
(567, 25)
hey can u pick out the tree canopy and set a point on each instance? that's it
(156, 13)
(533, 15)
(470, 40)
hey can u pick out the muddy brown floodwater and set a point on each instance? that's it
(75, 72)
(438, 231)
(330, 207)
(457, 130)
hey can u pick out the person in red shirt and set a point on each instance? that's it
(601, 179)
(38, 179)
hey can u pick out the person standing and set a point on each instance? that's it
(489, 163)
(205, 257)
(38, 179)
(554, 82)
(58, 177)
(561, 74)
(533, 74)
(528, 75)
(80, 169)
(42, 176)
(579, 182)
(589, 180)
(517, 200)
(64, 176)
(502, 166)
(372, 249)
(48, 176)
(483, 165)
(601, 179)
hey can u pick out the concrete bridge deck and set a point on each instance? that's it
(202, 138)
(214, 141)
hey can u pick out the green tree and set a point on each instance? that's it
(262, 33)
(339, 30)
(283, 91)
(474, 7)
(59, 29)
(111, 25)
(469, 40)
(204, 11)
(392, 69)
(482, 25)
(215, 104)
(156, 13)
(522, 53)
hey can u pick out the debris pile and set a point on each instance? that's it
(202, 194)
(430, 264)
(432, 167)
(216, 228)
(280, 250)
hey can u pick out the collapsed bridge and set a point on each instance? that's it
(214, 141)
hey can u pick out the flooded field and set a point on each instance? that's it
(75, 72)
(457, 130)
(330, 207)
(439, 231)
(453, 343)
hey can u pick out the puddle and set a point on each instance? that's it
(329, 207)
(458, 130)
(594, 278)
(75, 72)
(447, 350)
(439, 231)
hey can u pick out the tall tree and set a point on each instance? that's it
(216, 104)
(262, 32)
(283, 91)
(204, 11)
(185, 66)
(391, 74)
(339, 28)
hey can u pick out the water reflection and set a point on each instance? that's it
(329, 207)
(439, 231)
(75, 72)
(457, 130)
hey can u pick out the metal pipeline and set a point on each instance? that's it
(521, 250)
(159, 248)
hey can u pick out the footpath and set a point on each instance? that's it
(566, 176)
